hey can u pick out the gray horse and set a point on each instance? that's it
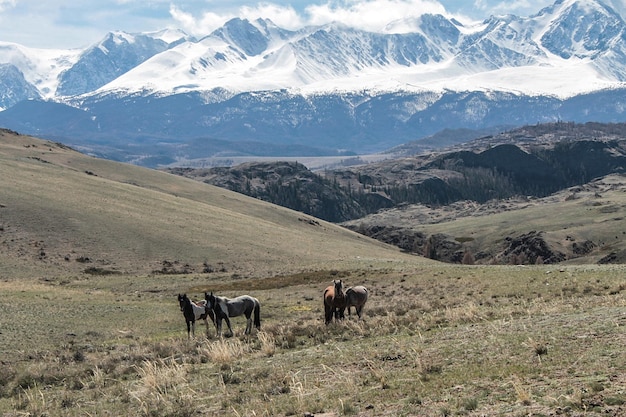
(356, 297)
(224, 308)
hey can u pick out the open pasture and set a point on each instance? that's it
(435, 340)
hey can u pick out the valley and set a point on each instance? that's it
(442, 204)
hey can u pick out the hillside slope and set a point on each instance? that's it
(62, 212)
(582, 224)
(411, 202)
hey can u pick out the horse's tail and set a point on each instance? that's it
(257, 314)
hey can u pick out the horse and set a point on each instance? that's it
(334, 301)
(192, 312)
(356, 297)
(224, 308)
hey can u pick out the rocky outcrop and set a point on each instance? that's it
(530, 248)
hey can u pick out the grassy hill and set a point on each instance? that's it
(62, 211)
(93, 253)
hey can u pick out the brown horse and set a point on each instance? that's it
(356, 297)
(334, 301)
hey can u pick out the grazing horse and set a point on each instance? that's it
(334, 301)
(356, 297)
(193, 312)
(224, 308)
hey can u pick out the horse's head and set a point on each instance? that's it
(210, 300)
(338, 288)
(182, 301)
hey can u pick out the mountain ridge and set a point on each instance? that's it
(411, 202)
(333, 88)
(570, 31)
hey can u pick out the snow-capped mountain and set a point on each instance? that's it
(114, 56)
(429, 52)
(52, 74)
(37, 70)
(332, 87)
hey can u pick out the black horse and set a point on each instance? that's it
(192, 312)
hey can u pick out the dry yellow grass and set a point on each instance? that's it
(437, 340)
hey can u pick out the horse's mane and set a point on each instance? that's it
(218, 305)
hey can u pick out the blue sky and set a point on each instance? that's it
(76, 24)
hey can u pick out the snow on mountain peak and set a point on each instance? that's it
(424, 52)
(169, 36)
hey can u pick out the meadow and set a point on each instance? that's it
(435, 341)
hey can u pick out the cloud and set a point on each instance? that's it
(371, 15)
(518, 7)
(283, 16)
(7, 4)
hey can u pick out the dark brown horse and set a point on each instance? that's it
(356, 297)
(334, 301)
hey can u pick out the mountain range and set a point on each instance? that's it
(253, 88)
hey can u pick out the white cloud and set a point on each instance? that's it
(6, 4)
(518, 7)
(371, 15)
(283, 16)
(206, 22)
(198, 26)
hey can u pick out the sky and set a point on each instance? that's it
(69, 24)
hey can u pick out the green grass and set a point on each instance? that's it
(593, 213)
(59, 208)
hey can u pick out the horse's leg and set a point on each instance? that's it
(218, 325)
(188, 330)
(206, 325)
(248, 324)
(339, 313)
(230, 329)
(193, 329)
(328, 313)
(211, 314)
(359, 310)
